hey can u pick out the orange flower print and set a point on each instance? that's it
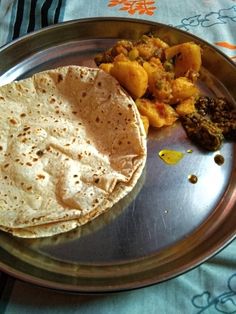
(226, 44)
(132, 6)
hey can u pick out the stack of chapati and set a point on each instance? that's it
(72, 144)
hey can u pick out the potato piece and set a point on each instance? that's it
(133, 54)
(159, 114)
(122, 47)
(149, 47)
(159, 43)
(120, 57)
(153, 65)
(131, 76)
(187, 58)
(183, 88)
(145, 123)
(106, 67)
(186, 106)
(159, 81)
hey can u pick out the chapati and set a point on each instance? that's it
(72, 144)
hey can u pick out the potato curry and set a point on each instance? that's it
(162, 81)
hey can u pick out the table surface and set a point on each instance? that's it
(210, 287)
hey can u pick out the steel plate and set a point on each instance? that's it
(167, 225)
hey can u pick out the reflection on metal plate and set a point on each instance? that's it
(168, 224)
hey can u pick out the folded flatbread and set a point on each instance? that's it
(72, 144)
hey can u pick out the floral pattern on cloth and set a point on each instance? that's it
(228, 46)
(222, 16)
(225, 302)
(131, 6)
(212, 19)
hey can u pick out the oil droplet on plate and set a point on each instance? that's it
(170, 157)
(219, 159)
(192, 178)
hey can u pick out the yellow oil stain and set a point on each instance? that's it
(170, 157)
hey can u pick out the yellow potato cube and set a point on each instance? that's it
(132, 76)
(187, 57)
(106, 67)
(149, 47)
(133, 54)
(153, 66)
(159, 81)
(186, 106)
(183, 88)
(120, 57)
(158, 114)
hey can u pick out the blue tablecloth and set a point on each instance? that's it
(209, 288)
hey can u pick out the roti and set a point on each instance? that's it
(72, 144)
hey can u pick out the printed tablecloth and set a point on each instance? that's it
(209, 288)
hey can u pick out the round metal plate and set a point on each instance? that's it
(167, 225)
